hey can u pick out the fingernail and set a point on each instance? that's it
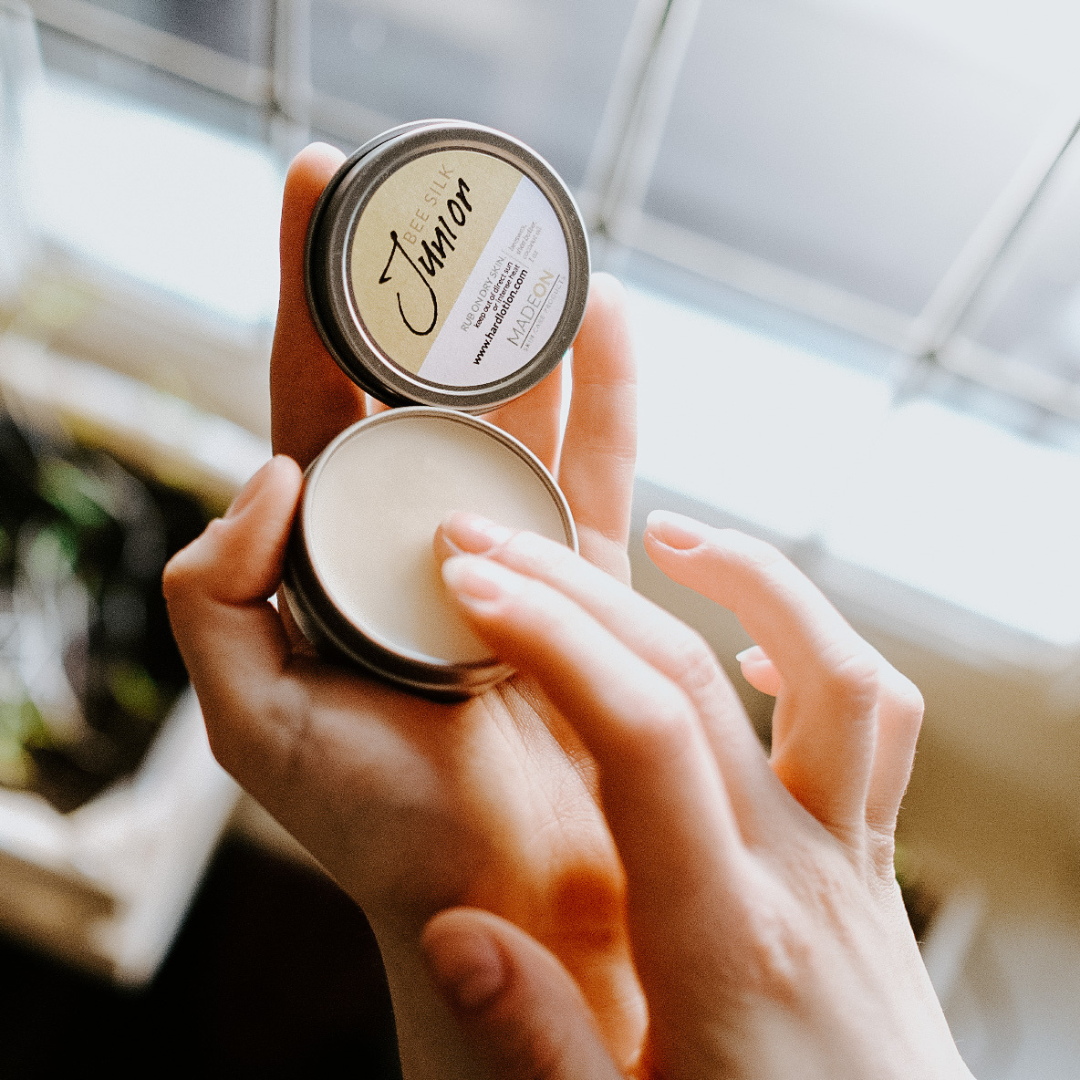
(474, 534)
(477, 582)
(746, 654)
(676, 531)
(467, 966)
(248, 491)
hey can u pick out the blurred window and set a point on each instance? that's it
(853, 228)
(238, 28)
(543, 74)
(838, 148)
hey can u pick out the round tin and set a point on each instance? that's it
(361, 577)
(446, 264)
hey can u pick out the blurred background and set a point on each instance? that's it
(851, 231)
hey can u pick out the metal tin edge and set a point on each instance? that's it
(326, 269)
(332, 633)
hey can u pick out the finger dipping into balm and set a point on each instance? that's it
(361, 576)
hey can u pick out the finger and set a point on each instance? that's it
(296, 734)
(900, 713)
(759, 671)
(825, 721)
(661, 792)
(596, 470)
(534, 418)
(649, 631)
(522, 1013)
(231, 638)
(311, 397)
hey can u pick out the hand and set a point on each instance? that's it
(764, 915)
(414, 807)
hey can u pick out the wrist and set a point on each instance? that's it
(429, 1040)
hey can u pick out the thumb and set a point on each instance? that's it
(520, 1010)
(232, 640)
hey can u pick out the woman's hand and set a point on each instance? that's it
(764, 917)
(412, 806)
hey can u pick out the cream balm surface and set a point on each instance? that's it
(373, 502)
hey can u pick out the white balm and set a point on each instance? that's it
(362, 577)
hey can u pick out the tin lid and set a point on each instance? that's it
(361, 577)
(446, 264)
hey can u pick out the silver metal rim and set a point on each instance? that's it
(332, 633)
(327, 272)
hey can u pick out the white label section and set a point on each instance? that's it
(512, 300)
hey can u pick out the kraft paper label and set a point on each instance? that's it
(459, 268)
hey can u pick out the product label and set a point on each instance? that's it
(459, 268)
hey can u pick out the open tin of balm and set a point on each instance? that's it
(361, 577)
(446, 264)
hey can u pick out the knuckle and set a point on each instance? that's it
(779, 952)
(182, 571)
(691, 663)
(172, 579)
(177, 582)
(853, 681)
(904, 697)
(881, 856)
(177, 575)
(664, 729)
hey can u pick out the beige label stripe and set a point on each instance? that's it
(416, 243)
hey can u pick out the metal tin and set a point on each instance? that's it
(372, 501)
(446, 264)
